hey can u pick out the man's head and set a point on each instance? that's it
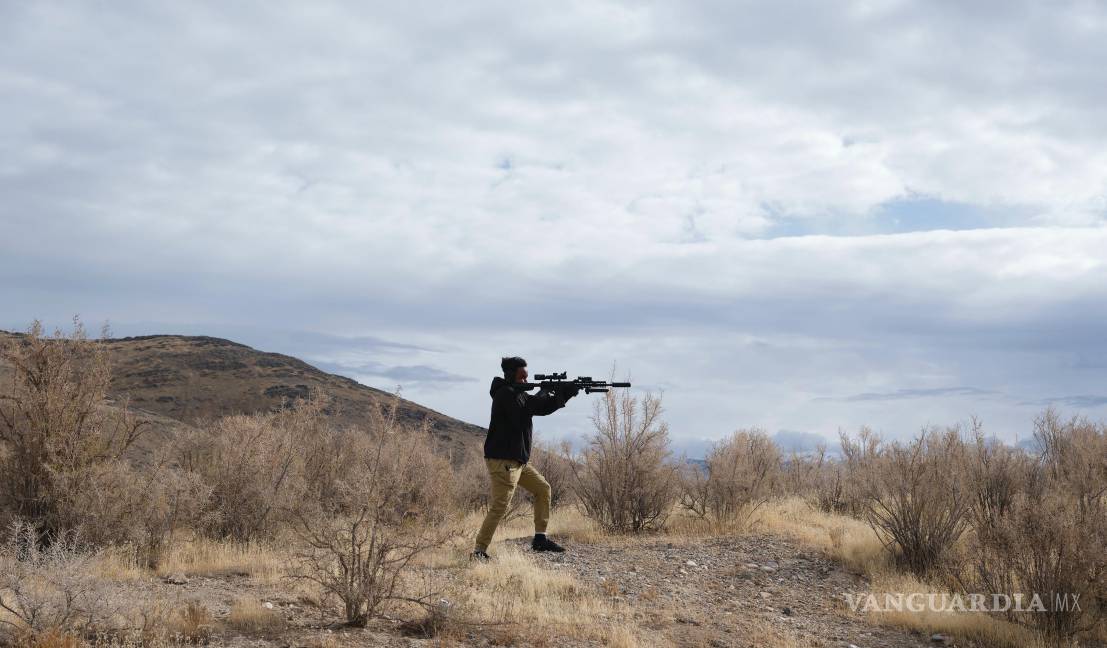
(515, 369)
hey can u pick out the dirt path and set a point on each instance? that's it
(725, 591)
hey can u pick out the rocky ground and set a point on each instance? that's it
(723, 591)
(715, 592)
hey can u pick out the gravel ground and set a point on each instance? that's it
(711, 592)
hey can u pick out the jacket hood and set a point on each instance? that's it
(497, 382)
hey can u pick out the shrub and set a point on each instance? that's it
(623, 479)
(1040, 525)
(799, 472)
(915, 498)
(555, 465)
(139, 508)
(1047, 545)
(358, 544)
(51, 588)
(737, 479)
(1074, 456)
(254, 465)
(844, 484)
(58, 438)
(829, 489)
(470, 477)
(996, 475)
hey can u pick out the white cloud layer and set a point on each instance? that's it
(764, 209)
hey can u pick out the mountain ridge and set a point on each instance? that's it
(194, 378)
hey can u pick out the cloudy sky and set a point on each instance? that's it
(802, 216)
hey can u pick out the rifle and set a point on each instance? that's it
(556, 381)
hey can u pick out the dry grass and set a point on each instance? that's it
(844, 539)
(683, 525)
(249, 615)
(528, 601)
(762, 633)
(323, 640)
(118, 564)
(197, 556)
(201, 556)
(854, 544)
(621, 636)
(975, 626)
(50, 639)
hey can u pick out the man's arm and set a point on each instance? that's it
(548, 402)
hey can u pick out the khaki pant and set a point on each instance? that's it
(505, 475)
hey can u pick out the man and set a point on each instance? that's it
(507, 452)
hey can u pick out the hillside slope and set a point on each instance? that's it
(190, 378)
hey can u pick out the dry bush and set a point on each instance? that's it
(359, 543)
(738, 478)
(623, 479)
(996, 474)
(254, 465)
(1047, 545)
(834, 485)
(820, 480)
(58, 439)
(555, 464)
(844, 483)
(1040, 526)
(247, 461)
(916, 499)
(996, 477)
(140, 508)
(1074, 455)
(51, 588)
(470, 478)
(799, 472)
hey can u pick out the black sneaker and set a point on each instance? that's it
(479, 556)
(542, 543)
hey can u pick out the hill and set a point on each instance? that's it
(191, 378)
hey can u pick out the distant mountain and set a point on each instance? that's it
(190, 378)
(804, 443)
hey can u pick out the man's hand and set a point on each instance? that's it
(568, 391)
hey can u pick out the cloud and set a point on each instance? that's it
(906, 394)
(754, 206)
(1084, 401)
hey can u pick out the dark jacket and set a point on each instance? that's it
(509, 431)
